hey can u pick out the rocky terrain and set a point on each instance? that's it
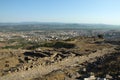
(77, 59)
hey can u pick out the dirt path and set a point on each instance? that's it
(42, 70)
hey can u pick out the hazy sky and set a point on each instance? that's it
(70, 11)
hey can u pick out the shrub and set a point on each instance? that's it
(100, 36)
(64, 45)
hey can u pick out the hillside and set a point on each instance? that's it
(88, 58)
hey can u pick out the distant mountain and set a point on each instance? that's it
(27, 26)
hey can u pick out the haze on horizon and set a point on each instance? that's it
(68, 11)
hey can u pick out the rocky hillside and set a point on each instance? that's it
(76, 59)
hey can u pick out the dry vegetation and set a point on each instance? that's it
(59, 60)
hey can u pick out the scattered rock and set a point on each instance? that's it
(108, 76)
(6, 65)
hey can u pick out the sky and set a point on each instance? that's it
(67, 11)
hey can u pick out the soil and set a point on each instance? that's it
(60, 63)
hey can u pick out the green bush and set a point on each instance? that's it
(63, 45)
(100, 36)
(58, 45)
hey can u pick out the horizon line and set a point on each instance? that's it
(56, 22)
